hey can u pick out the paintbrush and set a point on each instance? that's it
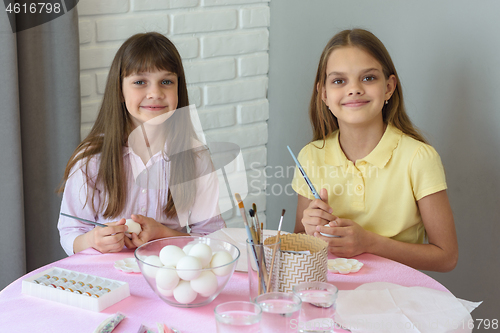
(259, 226)
(274, 252)
(308, 181)
(256, 228)
(88, 221)
(84, 220)
(250, 239)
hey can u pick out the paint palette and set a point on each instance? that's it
(76, 289)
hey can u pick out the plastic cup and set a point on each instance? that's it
(280, 312)
(238, 317)
(318, 306)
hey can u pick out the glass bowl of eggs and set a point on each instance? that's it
(187, 271)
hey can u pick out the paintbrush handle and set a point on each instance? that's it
(272, 262)
(308, 181)
(261, 233)
(255, 256)
(257, 231)
(253, 235)
(84, 220)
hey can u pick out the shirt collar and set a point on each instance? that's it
(379, 156)
(333, 153)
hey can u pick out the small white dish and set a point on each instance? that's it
(344, 266)
(128, 265)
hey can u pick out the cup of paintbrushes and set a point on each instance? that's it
(260, 272)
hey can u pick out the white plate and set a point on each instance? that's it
(128, 265)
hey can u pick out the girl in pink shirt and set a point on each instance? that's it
(142, 159)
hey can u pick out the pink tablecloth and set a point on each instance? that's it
(24, 313)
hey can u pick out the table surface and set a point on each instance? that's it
(25, 313)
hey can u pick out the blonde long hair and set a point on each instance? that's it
(394, 113)
(108, 136)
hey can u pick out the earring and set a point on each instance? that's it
(386, 102)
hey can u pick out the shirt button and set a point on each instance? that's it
(143, 209)
(144, 191)
(359, 188)
(362, 163)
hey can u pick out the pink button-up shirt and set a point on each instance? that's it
(147, 190)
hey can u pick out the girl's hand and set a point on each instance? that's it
(352, 240)
(109, 239)
(151, 229)
(318, 213)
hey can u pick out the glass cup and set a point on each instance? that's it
(280, 312)
(238, 316)
(263, 262)
(318, 306)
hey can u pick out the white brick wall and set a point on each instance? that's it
(238, 42)
(255, 17)
(224, 46)
(203, 21)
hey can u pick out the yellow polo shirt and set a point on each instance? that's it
(379, 192)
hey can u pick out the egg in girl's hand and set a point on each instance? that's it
(167, 278)
(202, 252)
(150, 270)
(219, 259)
(133, 227)
(205, 284)
(183, 293)
(170, 255)
(188, 268)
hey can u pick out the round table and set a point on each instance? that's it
(25, 313)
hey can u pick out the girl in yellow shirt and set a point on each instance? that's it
(383, 188)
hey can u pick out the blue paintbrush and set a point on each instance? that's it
(308, 181)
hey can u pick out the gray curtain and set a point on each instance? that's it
(39, 129)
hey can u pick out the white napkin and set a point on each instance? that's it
(387, 307)
(238, 237)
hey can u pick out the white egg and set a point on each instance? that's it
(206, 284)
(202, 252)
(183, 293)
(188, 268)
(187, 248)
(167, 278)
(149, 270)
(170, 255)
(133, 226)
(219, 259)
(165, 292)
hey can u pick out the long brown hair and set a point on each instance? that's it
(394, 113)
(108, 136)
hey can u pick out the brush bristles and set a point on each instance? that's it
(251, 212)
(238, 198)
(281, 220)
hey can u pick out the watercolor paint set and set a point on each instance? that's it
(76, 289)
